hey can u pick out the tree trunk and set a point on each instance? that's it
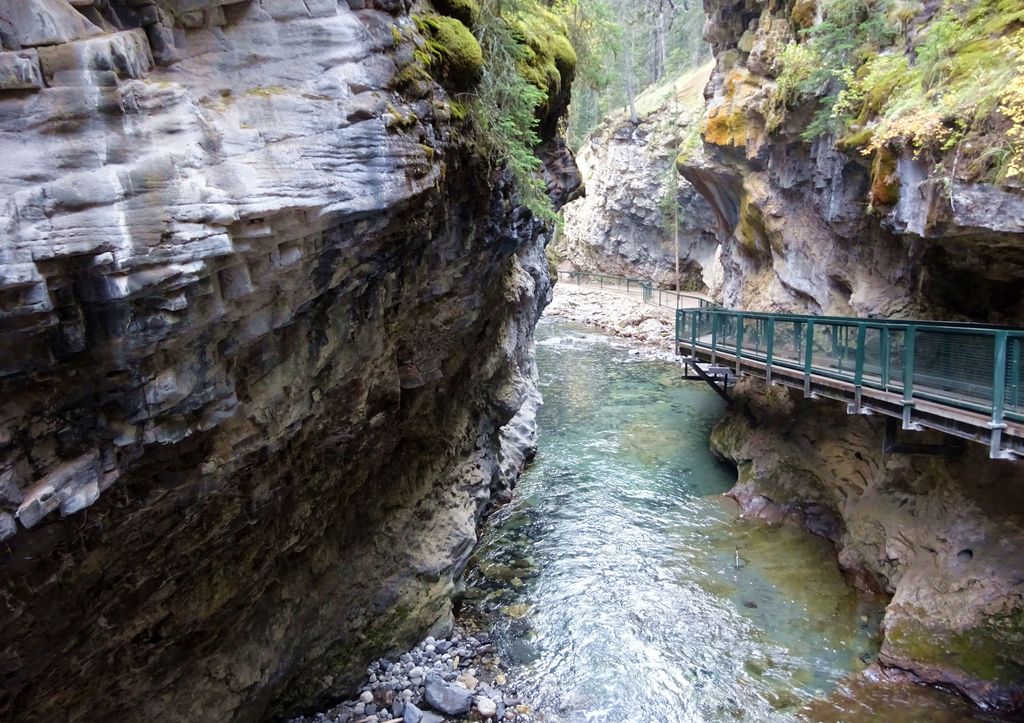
(661, 56)
(630, 80)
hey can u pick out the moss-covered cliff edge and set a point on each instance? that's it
(850, 216)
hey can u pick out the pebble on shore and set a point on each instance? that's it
(460, 678)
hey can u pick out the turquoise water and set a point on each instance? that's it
(622, 586)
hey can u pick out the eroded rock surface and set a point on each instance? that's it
(263, 317)
(625, 224)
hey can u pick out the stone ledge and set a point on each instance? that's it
(19, 70)
(45, 22)
(126, 54)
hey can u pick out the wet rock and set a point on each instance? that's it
(447, 698)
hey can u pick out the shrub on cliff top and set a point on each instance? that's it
(547, 59)
(505, 108)
(945, 80)
(506, 77)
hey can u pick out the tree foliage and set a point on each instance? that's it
(504, 108)
(896, 74)
(624, 46)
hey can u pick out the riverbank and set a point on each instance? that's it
(454, 679)
(651, 328)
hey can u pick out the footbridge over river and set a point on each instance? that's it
(966, 380)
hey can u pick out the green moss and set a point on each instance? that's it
(857, 139)
(547, 58)
(990, 652)
(804, 12)
(465, 11)
(451, 53)
(930, 82)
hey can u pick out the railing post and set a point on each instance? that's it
(714, 338)
(739, 342)
(808, 357)
(997, 425)
(1014, 385)
(885, 352)
(858, 369)
(769, 348)
(679, 332)
(909, 342)
(693, 332)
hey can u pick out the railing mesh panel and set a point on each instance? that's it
(789, 341)
(1014, 392)
(954, 364)
(755, 337)
(835, 348)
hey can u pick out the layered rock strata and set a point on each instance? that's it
(264, 314)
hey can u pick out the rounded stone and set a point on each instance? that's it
(486, 707)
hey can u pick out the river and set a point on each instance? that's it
(623, 586)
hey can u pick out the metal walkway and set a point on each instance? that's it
(962, 379)
(634, 287)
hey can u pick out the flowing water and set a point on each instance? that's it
(622, 586)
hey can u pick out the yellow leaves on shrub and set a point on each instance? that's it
(1011, 105)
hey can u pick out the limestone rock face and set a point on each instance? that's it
(262, 319)
(806, 226)
(624, 225)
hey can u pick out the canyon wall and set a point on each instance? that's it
(830, 226)
(827, 225)
(625, 225)
(266, 310)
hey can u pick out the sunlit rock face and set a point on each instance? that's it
(626, 223)
(262, 319)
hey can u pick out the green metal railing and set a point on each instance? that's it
(962, 366)
(645, 289)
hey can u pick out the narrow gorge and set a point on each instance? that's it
(273, 281)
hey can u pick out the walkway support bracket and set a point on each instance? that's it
(891, 444)
(718, 382)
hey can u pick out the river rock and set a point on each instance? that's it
(412, 714)
(486, 707)
(467, 680)
(447, 698)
